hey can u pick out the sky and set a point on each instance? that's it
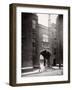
(43, 19)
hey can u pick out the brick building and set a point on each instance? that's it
(30, 41)
(48, 40)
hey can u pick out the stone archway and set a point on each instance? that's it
(46, 57)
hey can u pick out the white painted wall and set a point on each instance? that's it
(4, 45)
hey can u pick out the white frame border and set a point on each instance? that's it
(64, 77)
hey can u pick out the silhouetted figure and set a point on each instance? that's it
(46, 56)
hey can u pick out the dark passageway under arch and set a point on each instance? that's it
(46, 55)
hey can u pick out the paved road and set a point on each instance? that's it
(47, 72)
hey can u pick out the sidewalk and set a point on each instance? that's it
(30, 73)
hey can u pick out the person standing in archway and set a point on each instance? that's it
(48, 55)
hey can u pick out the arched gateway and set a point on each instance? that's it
(46, 57)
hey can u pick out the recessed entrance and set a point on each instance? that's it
(45, 58)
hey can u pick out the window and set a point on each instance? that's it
(33, 24)
(45, 38)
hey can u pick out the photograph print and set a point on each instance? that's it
(41, 36)
(42, 44)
